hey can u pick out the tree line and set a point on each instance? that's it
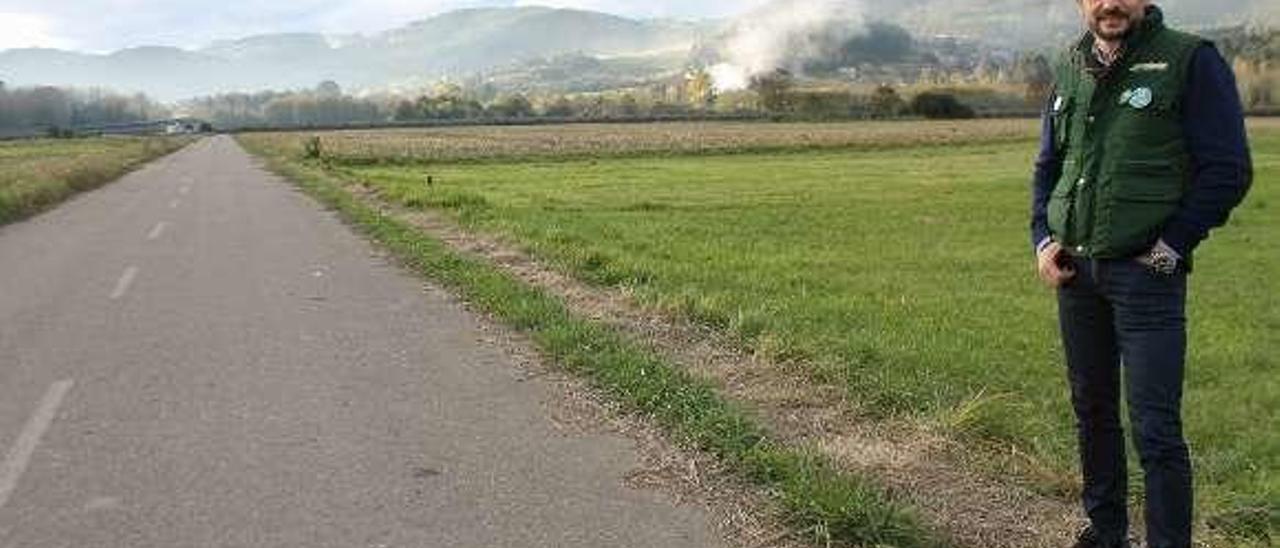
(892, 77)
(1255, 56)
(48, 109)
(689, 95)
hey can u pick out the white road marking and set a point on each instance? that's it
(157, 231)
(15, 463)
(126, 280)
(173, 204)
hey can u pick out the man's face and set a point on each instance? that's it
(1112, 19)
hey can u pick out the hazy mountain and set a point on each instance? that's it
(585, 73)
(455, 43)
(271, 48)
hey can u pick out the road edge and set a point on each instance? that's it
(822, 503)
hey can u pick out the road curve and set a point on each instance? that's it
(198, 356)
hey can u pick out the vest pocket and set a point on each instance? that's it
(1060, 200)
(1147, 181)
(1145, 193)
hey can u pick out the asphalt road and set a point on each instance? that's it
(199, 356)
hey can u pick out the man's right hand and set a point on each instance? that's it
(1050, 261)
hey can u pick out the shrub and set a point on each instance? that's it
(312, 149)
(940, 106)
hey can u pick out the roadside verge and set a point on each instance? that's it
(40, 174)
(829, 505)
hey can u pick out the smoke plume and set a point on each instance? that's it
(781, 33)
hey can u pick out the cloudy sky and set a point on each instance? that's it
(105, 25)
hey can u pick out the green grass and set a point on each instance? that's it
(37, 174)
(837, 508)
(904, 275)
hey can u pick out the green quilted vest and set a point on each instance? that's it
(1125, 164)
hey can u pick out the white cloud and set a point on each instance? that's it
(25, 30)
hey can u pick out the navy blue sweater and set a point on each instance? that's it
(1222, 171)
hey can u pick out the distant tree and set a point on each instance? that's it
(1250, 44)
(6, 111)
(593, 106)
(700, 88)
(292, 109)
(628, 105)
(143, 105)
(405, 111)
(50, 106)
(1034, 71)
(825, 104)
(513, 106)
(329, 89)
(663, 108)
(987, 71)
(940, 106)
(485, 92)
(447, 102)
(774, 89)
(1258, 83)
(29, 109)
(560, 107)
(885, 101)
(447, 90)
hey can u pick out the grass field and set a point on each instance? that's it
(35, 174)
(901, 272)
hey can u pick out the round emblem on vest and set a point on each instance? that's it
(1141, 98)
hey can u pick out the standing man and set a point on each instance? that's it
(1143, 153)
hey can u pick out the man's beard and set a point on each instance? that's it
(1109, 34)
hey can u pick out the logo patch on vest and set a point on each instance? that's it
(1149, 67)
(1058, 103)
(1138, 98)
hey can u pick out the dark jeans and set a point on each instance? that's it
(1119, 313)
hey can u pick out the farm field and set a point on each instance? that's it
(882, 261)
(595, 141)
(35, 174)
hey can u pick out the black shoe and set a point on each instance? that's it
(1089, 539)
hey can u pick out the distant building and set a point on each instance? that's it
(176, 126)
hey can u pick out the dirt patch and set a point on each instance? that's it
(971, 507)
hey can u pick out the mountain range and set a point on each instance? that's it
(452, 44)
(464, 42)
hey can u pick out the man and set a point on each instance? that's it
(1143, 152)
